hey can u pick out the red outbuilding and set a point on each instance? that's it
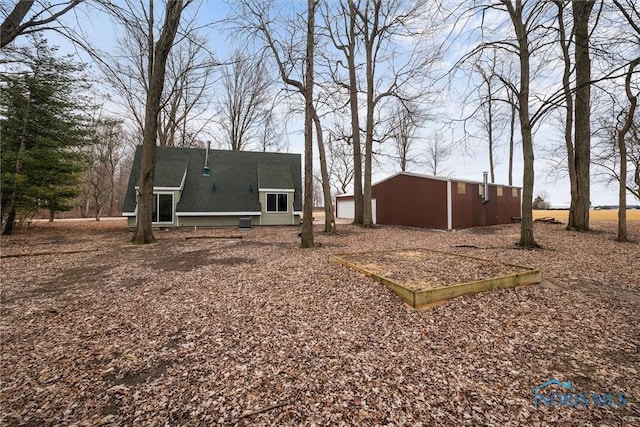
(424, 201)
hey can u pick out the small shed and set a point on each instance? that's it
(415, 200)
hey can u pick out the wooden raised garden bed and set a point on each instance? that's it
(424, 278)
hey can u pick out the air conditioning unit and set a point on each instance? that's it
(245, 224)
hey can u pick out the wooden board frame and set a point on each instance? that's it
(426, 298)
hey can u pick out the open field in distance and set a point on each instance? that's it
(604, 215)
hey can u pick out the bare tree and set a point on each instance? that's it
(606, 151)
(633, 155)
(185, 99)
(310, 110)
(104, 154)
(340, 162)
(405, 120)
(381, 24)
(44, 14)
(627, 122)
(496, 106)
(489, 101)
(522, 23)
(512, 128)
(245, 107)
(344, 33)
(330, 224)
(437, 152)
(256, 18)
(631, 14)
(157, 61)
(530, 23)
(579, 211)
(565, 40)
(318, 198)
(373, 64)
(271, 138)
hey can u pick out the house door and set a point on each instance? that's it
(163, 208)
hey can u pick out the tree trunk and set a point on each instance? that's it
(9, 28)
(622, 146)
(8, 227)
(10, 222)
(52, 214)
(568, 124)
(622, 188)
(112, 192)
(12, 26)
(512, 129)
(579, 215)
(329, 219)
(307, 224)
(368, 145)
(526, 224)
(368, 157)
(157, 64)
(99, 207)
(358, 200)
(490, 124)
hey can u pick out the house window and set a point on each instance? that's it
(514, 192)
(481, 190)
(499, 190)
(462, 188)
(162, 207)
(277, 202)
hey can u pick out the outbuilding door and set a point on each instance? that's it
(345, 208)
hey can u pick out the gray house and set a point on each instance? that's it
(197, 187)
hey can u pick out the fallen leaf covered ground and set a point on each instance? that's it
(221, 327)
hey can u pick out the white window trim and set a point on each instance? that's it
(277, 190)
(266, 209)
(217, 213)
(173, 207)
(184, 178)
(162, 189)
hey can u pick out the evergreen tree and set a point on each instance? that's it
(43, 123)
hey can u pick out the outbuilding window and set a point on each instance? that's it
(162, 207)
(277, 202)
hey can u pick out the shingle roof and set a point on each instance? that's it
(169, 173)
(275, 176)
(235, 174)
